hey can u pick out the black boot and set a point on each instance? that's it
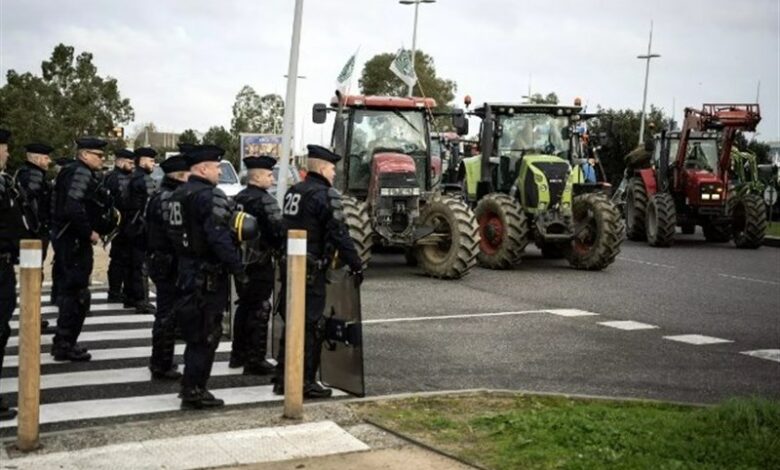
(311, 364)
(6, 412)
(262, 368)
(197, 398)
(143, 307)
(66, 352)
(278, 384)
(171, 374)
(315, 390)
(236, 361)
(115, 298)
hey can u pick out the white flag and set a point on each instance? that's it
(345, 76)
(403, 68)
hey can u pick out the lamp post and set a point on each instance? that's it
(416, 4)
(647, 57)
(289, 104)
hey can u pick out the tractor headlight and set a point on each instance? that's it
(716, 197)
(706, 197)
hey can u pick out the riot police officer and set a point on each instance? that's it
(81, 212)
(35, 196)
(10, 231)
(315, 205)
(162, 263)
(139, 190)
(250, 325)
(117, 181)
(199, 224)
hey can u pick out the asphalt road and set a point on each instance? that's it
(537, 327)
(691, 288)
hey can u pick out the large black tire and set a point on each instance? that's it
(748, 221)
(598, 233)
(635, 209)
(359, 223)
(503, 231)
(661, 221)
(453, 258)
(716, 233)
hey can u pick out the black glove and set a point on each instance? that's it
(357, 276)
(242, 280)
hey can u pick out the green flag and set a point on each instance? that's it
(345, 76)
(403, 67)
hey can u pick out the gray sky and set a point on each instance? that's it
(181, 63)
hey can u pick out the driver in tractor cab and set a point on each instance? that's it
(695, 158)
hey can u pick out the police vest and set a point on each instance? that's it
(299, 209)
(187, 236)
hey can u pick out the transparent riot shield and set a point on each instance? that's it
(341, 365)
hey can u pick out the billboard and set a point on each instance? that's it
(259, 144)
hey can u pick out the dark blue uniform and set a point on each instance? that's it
(11, 229)
(162, 264)
(250, 326)
(139, 190)
(81, 205)
(313, 205)
(117, 181)
(198, 225)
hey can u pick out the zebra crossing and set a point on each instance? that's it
(116, 382)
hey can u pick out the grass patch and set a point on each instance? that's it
(555, 432)
(773, 229)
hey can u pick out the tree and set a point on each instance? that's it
(252, 113)
(218, 135)
(537, 98)
(377, 79)
(759, 149)
(621, 127)
(188, 137)
(69, 100)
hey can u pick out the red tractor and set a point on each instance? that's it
(388, 177)
(692, 189)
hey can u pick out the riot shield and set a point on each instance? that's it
(341, 365)
(277, 316)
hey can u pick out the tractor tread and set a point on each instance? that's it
(751, 236)
(608, 242)
(359, 224)
(465, 258)
(661, 206)
(636, 194)
(517, 232)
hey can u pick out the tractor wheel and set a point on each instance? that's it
(456, 253)
(635, 209)
(597, 233)
(359, 223)
(503, 231)
(716, 233)
(661, 220)
(748, 219)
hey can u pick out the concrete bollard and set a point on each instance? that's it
(295, 323)
(30, 264)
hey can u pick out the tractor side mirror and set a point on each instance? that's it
(459, 122)
(319, 113)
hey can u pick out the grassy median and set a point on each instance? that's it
(773, 229)
(507, 432)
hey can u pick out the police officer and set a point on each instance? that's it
(250, 335)
(315, 206)
(162, 263)
(117, 181)
(199, 225)
(138, 192)
(10, 230)
(35, 196)
(74, 230)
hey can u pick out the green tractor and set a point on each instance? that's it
(529, 185)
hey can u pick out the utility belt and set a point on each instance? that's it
(209, 275)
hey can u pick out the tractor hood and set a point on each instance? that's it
(392, 170)
(392, 162)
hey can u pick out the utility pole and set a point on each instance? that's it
(289, 105)
(647, 58)
(416, 4)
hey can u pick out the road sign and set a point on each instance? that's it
(770, 195)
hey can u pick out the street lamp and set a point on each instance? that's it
(647, 57)
(416, 4)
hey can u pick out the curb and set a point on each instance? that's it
(772, 241)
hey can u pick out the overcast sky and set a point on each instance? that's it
(181, 63)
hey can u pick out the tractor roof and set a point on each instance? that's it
(387, 102)
(529, 108)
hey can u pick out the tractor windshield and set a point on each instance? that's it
(375, 131)
(702, 154)
(533, 133)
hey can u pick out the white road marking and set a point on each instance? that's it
(126, 406)
(698, 340)
(647, 263)
(95, 296)
(104, 320)
(571, 312)
(450, 317)
(750, 279)
(87, 336)
(768, 354)
(104, 377)
(109, 355)
(249, 446)
(92, 308)
(628, 325)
